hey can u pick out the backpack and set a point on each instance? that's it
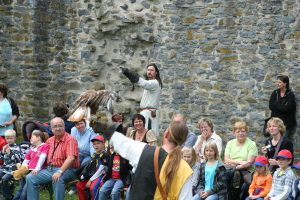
(87, 169)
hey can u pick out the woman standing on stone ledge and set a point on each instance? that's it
(282, 104)
(9, 111)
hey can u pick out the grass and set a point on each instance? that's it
(44, 194)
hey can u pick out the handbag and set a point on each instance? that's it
(248, 178)
(264, 131)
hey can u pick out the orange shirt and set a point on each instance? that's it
(60, 149)
(264, 182)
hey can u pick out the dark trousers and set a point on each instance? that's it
(7, 188)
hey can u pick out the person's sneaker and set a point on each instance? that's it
(72, 192)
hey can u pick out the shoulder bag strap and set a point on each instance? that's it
(277, 147)
(276, 152)
(161, 190)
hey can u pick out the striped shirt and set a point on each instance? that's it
(60, 149)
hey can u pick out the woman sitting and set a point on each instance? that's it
(240, 151)
(208, 134)
(140, 133)
(83, 135)
(276, 143)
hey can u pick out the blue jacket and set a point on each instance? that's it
(84, 140)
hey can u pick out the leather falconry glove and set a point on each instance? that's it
(132, 76)
(107, 129)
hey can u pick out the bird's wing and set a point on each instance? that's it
(92, 99)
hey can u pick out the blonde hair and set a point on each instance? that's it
(266, 170)
(279, 123)
(178, 132)
(191, 150)
(240, 125)
(10, 132)
(208, 121)
(213, 146)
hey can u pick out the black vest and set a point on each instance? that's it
(144, 184)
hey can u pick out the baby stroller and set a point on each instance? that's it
(29, 126)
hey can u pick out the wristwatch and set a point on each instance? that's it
(60, 171)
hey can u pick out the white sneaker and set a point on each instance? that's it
(72, 192)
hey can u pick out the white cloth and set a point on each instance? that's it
(214, 138)
(132, 151)
(150, 99)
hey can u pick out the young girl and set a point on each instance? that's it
(190, 156)
(262, 179)
(35, 159)
(212, 180)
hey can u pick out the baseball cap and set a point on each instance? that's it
(261, 161)
(98, 137)
(284, 154)
(297, 166)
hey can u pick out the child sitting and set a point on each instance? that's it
(212, 180)
(190, 156)
(11, 155)
(117, 174)
(283, 177)
(93, 183)
(262, 179)
(35, 160)
(296, 184)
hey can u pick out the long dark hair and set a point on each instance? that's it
(157, 75)
(285, 79)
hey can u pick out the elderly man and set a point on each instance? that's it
(62, 162)
(191, 138)
(152, 91)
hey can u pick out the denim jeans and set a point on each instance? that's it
(210, 197)
(6, 187)
(127, 193)
(22, 190)
(45, 177)
(113, 187)
(260, 198)
(290, 132)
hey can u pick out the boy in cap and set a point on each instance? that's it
(283, 177)
(83, 186)
(296, 185)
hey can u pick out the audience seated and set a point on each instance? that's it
(62, 162)
(208, 134)
(140, 133)
(191, 138)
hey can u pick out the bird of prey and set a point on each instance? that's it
(88, 103)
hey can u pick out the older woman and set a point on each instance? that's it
(140, 133)
(283, 105)
(9, 111)
(207, 135)
(240, 151)
(277, 142)
(83, 135)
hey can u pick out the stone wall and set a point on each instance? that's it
(217, 58)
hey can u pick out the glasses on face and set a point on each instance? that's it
(57, 126)
(240, 131)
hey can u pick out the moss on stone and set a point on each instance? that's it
(190, 35)
(229, 58)
(190, 19)
(224, 50)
